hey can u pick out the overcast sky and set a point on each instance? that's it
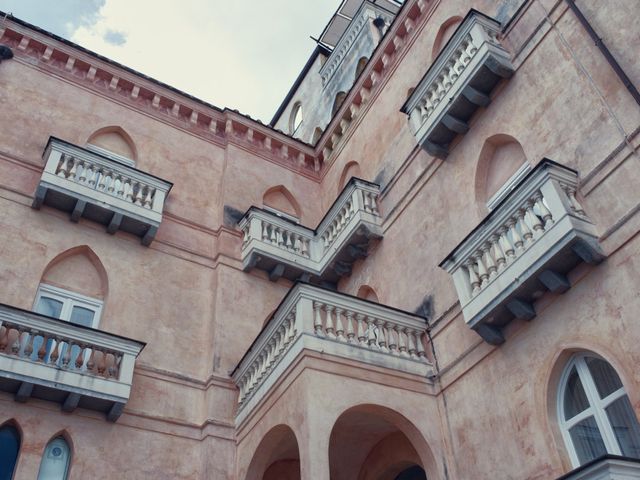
(241, 54)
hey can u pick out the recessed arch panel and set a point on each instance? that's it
(114, 139)
(280, 198)
(78, 270)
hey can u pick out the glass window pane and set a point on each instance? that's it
(49, 306)
(625, 426)
(587, 440)
(9, 447)
(82, 316)
(575, 400)
(55, 461)
(604, 376)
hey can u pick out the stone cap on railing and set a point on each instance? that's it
(523, 248)
(458, 82)
(285, 248)
(121, 196)
(318, 319)
(366, 14)
(92, 367)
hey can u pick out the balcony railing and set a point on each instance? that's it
(93, 186)
(47, 358)
(523, 248)
(458, 82)
(608, 467)
(284, 248)
(313, 318)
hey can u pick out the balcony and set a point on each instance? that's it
(459, 81)
(320, 320)
(76, 366)
(286, 249)
(609, 467)
(522, 249)
(89, 185)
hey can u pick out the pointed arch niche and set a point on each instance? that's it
(280, 198)
(114, 142)
(501, 164)
(78, 270)
(351, 169)
(444, 34)
(368, 293)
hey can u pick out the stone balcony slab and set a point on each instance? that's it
(311, 318)
(459, 82)
(609, 467)
(87, 184)
(522, 249)
(286, 249)
(76, 366)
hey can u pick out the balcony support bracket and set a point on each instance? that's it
(490, 334)
(588, 253)
(435, 149)
(114, 224)
(149, 236)
(554, 281)
(115, 412)
(276, 272)
(71, 402)
(38, 198)
(499, 68)
(78, 210)
(455, 124)
(476, 97)
(24, 392)
(521, 309)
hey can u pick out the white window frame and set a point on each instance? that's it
(69, 300)
(596, 407)
(508, 186)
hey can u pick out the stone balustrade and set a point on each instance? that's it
(607, 467)
(458, 82)
(284, 248)
(313, 318)
(523, 248)
(51, 359)
(93, 186)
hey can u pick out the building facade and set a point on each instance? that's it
(427, 266)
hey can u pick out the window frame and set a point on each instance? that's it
(69, 300)
(45, 459)
(596, 408)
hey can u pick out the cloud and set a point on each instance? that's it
(240, 54)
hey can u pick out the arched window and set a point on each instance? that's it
(55, 461)
(9, 448)
(296, 117)
(337, 102)
(360, 66)
(594, 411)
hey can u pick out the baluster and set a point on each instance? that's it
(4, 337)
(362, 336)
(128, 190)
(114, 368)
(350, 333)
(80, 358)
(55, 350)
(138, 195)
(265, 232)
(372, 339)
(101, 362)
(490, 263)
(330, 325)
(62, 168)
(482, 270)
(374, 204)
(536, 224)
(271, 352)
(274, 236)
(73, 170)
(392, 339)
(288, 243)
(402, 345)
(102, 179)
(317, 319)
(42, 351)
(15, 346)
(367, 203)
(497, 251)
(382, 339)
(422, 356)
(517, 240)
(297, 244)
(109, 181)
(526, 231)
(119, 186)
(28, 348)
(148, 199)
(507, 247)
(91, 363)
(82, 171)
(474, 281)
(305, 247)
(571, 195)
(66, 358)
(340, 326)
(282, 335)
(411, 343)
(547, 219)
(291, 326)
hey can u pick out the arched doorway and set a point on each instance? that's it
(277, 456)
(370, 442)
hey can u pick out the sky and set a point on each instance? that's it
(240, 54)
